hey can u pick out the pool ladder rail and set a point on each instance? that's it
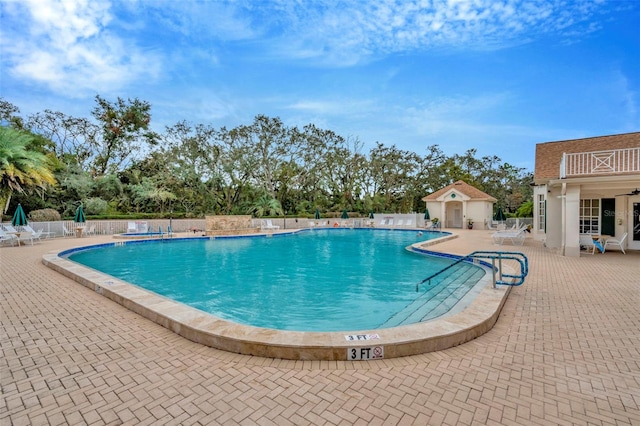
(499, 277)
(169, 232)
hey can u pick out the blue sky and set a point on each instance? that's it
(498, 76)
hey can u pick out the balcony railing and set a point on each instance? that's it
(615, 161)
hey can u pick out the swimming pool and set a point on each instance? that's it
(324, 280)
(476, 316)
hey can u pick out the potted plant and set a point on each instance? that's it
(435, 222)
(469, 223)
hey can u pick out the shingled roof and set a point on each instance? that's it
(464, 188)
(549, 154)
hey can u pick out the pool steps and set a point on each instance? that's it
(439, 298)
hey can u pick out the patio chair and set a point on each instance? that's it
(4, 237)
(35, 235)
(91, 230)
(267, 225)
(25, 236)
(66, 232)
(615, 243)
(586, 241)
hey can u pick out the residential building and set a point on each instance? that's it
(587, 186)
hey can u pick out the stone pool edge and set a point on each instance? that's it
(200, 327)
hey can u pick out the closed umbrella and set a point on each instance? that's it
(426, 214)
(317, 214)
(371, 215)
(19, 218)
(345, 215)
(79, 217)
(500, 215)
(79, 220)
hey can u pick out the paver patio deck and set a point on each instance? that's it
(565, 350)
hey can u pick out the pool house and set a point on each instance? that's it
(458, 203)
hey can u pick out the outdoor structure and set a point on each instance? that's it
(587, 186)
(456, 204)
(229, 225)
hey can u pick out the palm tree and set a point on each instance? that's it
(266, 206)
(21, 168)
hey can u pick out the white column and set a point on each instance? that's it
(572, 221)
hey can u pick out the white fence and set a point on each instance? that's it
(112, 227)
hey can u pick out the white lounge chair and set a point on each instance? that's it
(495, 225)
(7, 238)
(516, 237)
(9, 227)
(267, 225)
(613, 242)
(429, 225)
(131, 227)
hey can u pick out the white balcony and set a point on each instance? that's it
(616, 161)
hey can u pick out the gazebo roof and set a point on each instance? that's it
(473, 193)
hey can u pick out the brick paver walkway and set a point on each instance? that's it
(566, 350)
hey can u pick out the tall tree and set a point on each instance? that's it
(124, 130)
(73, 139)
(9, 115)
(193, 156)
(392, 170)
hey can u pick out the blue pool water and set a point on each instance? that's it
(142, 234)
(322, 280)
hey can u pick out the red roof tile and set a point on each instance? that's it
(464, 188)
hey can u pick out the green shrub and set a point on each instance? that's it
(95, 206)
(44, 215)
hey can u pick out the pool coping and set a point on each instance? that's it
(200, 327)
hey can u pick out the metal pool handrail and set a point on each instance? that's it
(517, 279)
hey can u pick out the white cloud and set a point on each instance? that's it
(345, 33)
(72, 46)
(65, 22)
(338, 107)
(446, 114)
(65, 45)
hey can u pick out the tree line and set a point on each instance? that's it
(114, 163)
